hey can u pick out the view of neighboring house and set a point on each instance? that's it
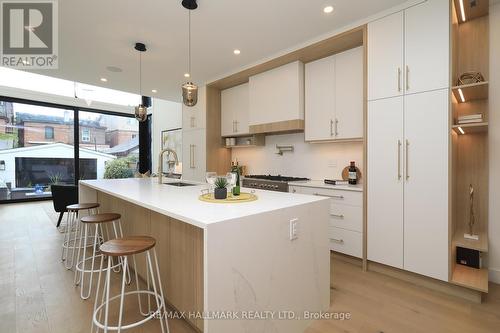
(7, 139)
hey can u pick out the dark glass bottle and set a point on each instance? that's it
(353, 174)
(236, 188)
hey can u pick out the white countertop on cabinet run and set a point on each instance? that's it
(182, 203)
(321, 184)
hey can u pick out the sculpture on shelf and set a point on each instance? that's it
(472, 216)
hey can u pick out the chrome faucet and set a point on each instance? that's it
(160, 162)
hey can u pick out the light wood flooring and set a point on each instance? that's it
(37, 292)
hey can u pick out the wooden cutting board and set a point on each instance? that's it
(345, 173)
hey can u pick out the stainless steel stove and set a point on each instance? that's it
(268, 182)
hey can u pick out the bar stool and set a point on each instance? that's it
(72, 230)
(125, 247)
(95, 227)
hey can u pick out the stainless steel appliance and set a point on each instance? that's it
(271, 183)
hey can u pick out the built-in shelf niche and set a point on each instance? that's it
(247, 141)
(469, 161)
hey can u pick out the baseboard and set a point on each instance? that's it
(494, 275)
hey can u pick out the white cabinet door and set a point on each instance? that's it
(277, 95)
(320, 99)
(235, 110)
(349, 94)
(194, 117)
(194, 155)
(427, 46)
(385, 182)
(426, 184)
(385, 57)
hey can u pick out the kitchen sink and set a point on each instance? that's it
(179, 184)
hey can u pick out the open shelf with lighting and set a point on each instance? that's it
(471, 92)
(469, 158)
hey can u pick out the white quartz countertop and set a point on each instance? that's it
(182, 203)
(321, 184)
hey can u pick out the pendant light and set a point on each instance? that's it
(189, 89)
(141, 111)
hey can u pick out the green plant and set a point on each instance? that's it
(118, 168)
(221, 182)
(55, 178)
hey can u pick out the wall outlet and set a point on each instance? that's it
(332, 163)
(294, 229)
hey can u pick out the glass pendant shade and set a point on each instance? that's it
(141, 113)
(189, 94)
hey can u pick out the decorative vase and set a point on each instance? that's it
(220, 193)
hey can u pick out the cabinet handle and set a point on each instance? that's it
(331, 127)
(336, 127)
(407, 78)
(192, 122)
(236, 126)
(399, 159)
(340, 216)
(399, 79)
(191, 157)
(340, 241)
(407, 160)
(329, 196)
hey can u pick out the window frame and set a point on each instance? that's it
(52, 131)
(87, 138)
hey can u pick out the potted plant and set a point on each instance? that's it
(220, 191)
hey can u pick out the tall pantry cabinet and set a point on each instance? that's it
(408, 139)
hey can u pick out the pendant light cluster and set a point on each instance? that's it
(141, 111)
(189, 89)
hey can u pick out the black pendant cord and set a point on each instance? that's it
(189, 43)
(140, 73)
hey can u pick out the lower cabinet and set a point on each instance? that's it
(194, 155)
(346, 218)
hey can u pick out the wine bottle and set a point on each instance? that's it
(353, 174)
(236, 188)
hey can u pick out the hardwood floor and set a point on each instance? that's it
(37, 292)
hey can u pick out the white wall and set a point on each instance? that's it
(316, 161)
(166, 115)
(494, 144)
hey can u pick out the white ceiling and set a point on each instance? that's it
(94, 34)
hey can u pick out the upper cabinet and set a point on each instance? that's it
(408, 52)
(277, 99)
(334, 97)
(235, 111)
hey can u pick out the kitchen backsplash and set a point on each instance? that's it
(316, 161)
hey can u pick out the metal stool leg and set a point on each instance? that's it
(159, 303)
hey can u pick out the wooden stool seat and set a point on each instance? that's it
(127, 246)
(101, 218)
(83, 206)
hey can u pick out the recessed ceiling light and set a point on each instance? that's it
(236, 51)
(328, 9)
(186, 75)
(103, 79)
(154, 91)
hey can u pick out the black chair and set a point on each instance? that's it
(63, 196)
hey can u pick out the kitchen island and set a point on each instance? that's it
(228, 268)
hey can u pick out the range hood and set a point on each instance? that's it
(280, 127)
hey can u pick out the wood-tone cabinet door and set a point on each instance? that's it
(320, 99)
(385, 57)
(426, 184)
(427, 44)
(194, 155)
(349, 94)
(235, 109)
(385, 181)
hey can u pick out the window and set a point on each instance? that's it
(85, 135)
(49, 133)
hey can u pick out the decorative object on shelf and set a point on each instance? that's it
(469, 257)
(141, 111)
(470, 78)
(220, 191)
(242, 198)
(189, 89)
(470, 119)
(345, 173)
(472, 216)
(282, 149)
